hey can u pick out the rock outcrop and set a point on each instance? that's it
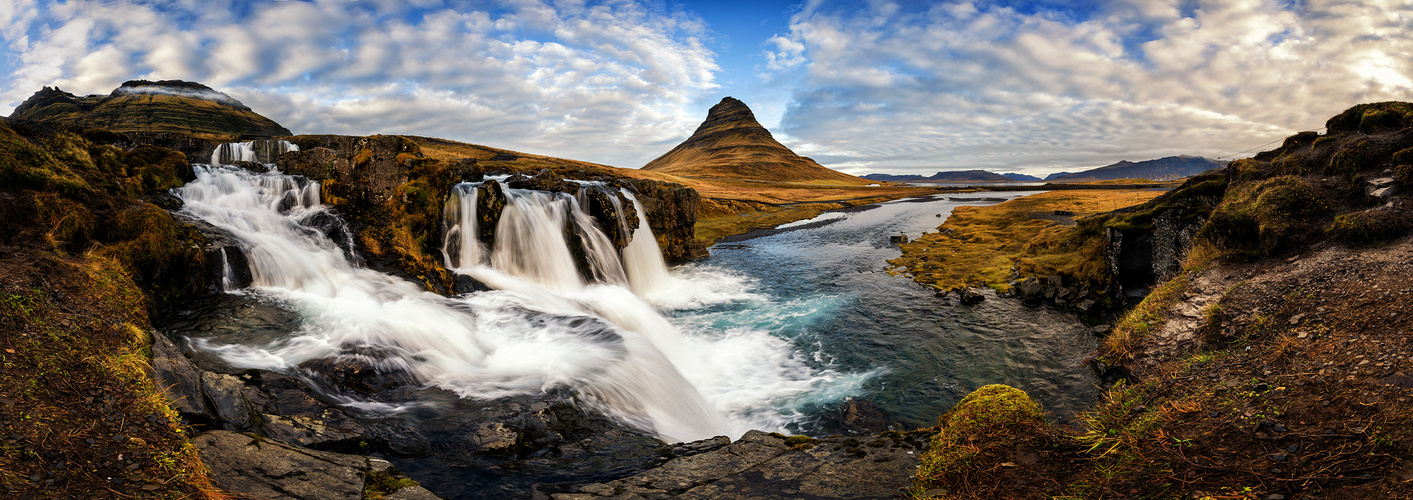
(254, 467)
(731, 144)
(761, 465)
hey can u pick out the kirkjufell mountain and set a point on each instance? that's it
(731, 144)
(145, 106)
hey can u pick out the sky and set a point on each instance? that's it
(903, 87)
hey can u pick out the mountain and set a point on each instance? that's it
(1057, 175)
(1021, 177)
(967, 176)
(962, 176)
(892, 177)
(144, 106)
(731, 144)
(1172, 167)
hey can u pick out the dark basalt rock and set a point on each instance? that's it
(672, 214)
(490, 202)
(365, 170)
(360, 369)
(543, 180)
(611, 219)
(761, 465)
(227, 265)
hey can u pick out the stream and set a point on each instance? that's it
(797, 329)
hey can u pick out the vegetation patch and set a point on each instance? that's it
(1259, 219)
(1369, 226)
(984, 244)
(986, 447)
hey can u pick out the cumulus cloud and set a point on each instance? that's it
(981, 85)
(597, 81)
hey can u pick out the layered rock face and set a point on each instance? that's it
(144, 106)
(731, 144)
(393, 197)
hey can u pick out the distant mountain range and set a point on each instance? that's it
(731, 144)
(144, 106)
(1172, 167)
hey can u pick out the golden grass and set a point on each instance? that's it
(983, 244)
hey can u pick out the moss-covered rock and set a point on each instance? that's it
(1370, 226)
(982, 446)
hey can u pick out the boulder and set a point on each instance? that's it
(970, 296)
(252, 467)
(761, 465)
(179, 380)
(1030, 291)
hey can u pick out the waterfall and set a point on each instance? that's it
(542, 327)
(642, 259)
(460, 247)
(259, 150)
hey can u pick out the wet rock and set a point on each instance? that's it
(970, 296)
(671, 210)
(490, 202)
(227, 265)
(362, 369)
(261, 468)
(226, 396)
(603, 206)
(760, 465)
(180, 380)
(365, 170)
(1030, 291)
(464, 284)
(543, 180)
(398, 438)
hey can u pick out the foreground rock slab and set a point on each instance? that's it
(263, 468)
(761, 466)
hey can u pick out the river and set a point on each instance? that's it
(779, 330)
(822, 284)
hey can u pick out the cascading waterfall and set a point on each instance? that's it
(259, 150)
(460, 246)
(542, 327)
(647, 272)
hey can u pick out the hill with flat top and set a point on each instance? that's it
(145, 106)
(731, 144)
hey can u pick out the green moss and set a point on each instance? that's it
(1259, 219)
(1321, 142)
(1369, 226)
(1372, 117)
(976, 435)
(383, 483)
(1352, 158)
(800, 442)
(26, 164)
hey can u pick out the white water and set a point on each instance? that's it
(543, 327)
(260, 150)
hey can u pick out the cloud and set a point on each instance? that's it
(596, 81)
(982, 85)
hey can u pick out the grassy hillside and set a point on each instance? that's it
(84, 260)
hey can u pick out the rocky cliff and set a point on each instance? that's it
(393, 196)
(731, 144)
(144, 106)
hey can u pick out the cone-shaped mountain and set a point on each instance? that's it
(143, 106)
(732, 144)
